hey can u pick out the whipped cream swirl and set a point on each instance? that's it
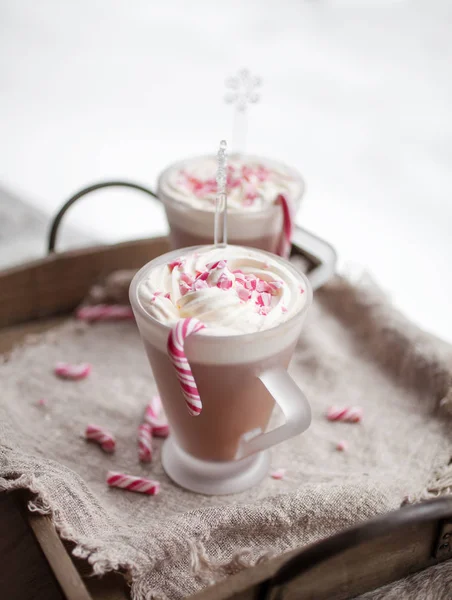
(232, 290)
(252, 183)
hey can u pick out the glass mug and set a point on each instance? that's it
(239, 379)
(190, 226)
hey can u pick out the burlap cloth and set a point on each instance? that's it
(355, 349)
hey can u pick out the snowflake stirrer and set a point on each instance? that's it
(242, 92)
(221, 202)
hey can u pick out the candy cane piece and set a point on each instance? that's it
(342, 446)
(160, 429)
(101, 436)
(145, 442)
(132, 483)
(347, 414)
(153, 409)
(73, 372)
(181, 330)
(154, 416)
(278, 473)
(105, 312)
(286, 236)
(42, 402)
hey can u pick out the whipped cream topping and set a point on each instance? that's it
(232, 290)
(252, 183)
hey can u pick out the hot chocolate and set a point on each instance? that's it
(252, 305)
(255, 187)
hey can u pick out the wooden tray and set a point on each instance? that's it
(36, 565)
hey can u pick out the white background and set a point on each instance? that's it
(357, 96)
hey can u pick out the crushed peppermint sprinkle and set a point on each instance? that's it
(73, 372)
(179, 263)
(278, 473)
(247, 285)
(342, 446)
(42, 402)
(248, 176)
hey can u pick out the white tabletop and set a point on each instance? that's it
(357, 95)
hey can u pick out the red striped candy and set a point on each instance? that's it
(101, 436)
(132, 483)
(176, 341)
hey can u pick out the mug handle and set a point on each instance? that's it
(294, 405)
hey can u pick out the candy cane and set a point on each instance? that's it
(133, 484)
(104, 312)
(286, 236)
(101, 436)
(347, 414)
(73, 372)
(181, 330)
(145, 442)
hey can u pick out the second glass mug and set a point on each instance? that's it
(190, 226)
(239, 378)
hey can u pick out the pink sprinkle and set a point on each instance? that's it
(342, 446)
(186, 278)
(240, 277)
(219, 264)
(176, 263)
(168, 295)
(283, 308)
(184, 288)
(233, 182)
(347, 414)
(263, 286)
(202, 275)
(262, 173)
(250, 282)
(73, 372)
(185, 283)
(278, 473)
(224, 283)
(200, 284)
(301, 290)
(243, 293)
(264, 299)
(42, 402)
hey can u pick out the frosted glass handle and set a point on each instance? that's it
(294, 405)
